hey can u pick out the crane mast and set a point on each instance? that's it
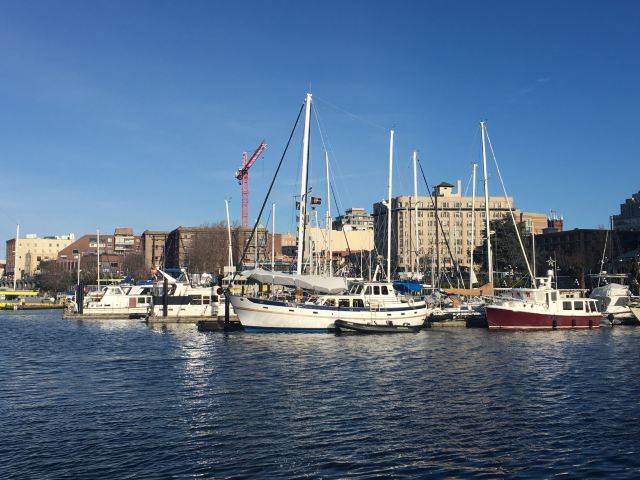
(242, 175)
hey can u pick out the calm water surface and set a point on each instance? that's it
(96, 399)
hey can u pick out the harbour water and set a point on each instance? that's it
(96, 399)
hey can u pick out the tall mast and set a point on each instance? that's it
(255, 244)
(486, 203)
(533, 252)
(303, 183)
(98, 251)
(389, 207)
(15, 257)
(473, 225)
(226, 203)
(328, 226)
(415, 206)
(273, 237)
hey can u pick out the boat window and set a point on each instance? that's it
(622, 302)
(359, 289)
(358, 303)
(578, 305)
(195, 300)
(554, 296)
(214, 298)
(376, 290)
(385, 290)
(587, 306)
(330, 302)
(343, 302)
(566, 306)
(368, 290)
(206, 299)
(142, 300)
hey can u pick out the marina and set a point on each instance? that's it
(319, 240)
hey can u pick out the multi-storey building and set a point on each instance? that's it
(354, 219)
(33, 250)
(419, 236)
(125, 242)
(153, 245)
(629, 218)
(112, 248)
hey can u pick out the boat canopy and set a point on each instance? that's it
(317, 283)
(610, 290)
(407, 286)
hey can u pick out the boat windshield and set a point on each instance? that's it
(356, 289)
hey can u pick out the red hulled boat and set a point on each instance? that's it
(542, 308)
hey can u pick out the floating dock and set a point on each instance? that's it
(31, 306)
(155, 320)
(100, 316)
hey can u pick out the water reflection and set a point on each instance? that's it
(87, 399)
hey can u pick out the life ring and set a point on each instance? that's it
(410, 302)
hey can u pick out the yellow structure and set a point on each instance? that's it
(341, 240)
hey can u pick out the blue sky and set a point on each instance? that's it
(136, 113)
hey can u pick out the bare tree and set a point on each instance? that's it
(53, 278)
(133, 266)
(209, 250)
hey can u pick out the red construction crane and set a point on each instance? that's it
(242, 175)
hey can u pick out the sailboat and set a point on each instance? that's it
(328, 303)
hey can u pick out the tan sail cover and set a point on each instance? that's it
(486, 289)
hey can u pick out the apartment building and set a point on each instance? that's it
(354, 219)
(31, 250)
(415, 233)
(153, 246)
(629, 217)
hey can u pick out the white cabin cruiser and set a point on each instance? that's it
(184, 299)
(117, 301)
(613, 302)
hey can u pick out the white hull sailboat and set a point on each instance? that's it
(367, 304)
(372, 304)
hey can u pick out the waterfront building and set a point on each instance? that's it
(125, 242)
(580, 251)
(455, 214)
(114, 248)
(629, 217)
(354, 219)
(206, 248)
(33, 250)
(153, 244)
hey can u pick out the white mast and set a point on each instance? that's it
(273, 237)
(226, 203)
(415, 206)
(255, 244)
(473, 226)
(98, 250)
(15, 257)
(303, 183)
(486, 204)
(328, 226)
(389, 208)
(533, 252)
